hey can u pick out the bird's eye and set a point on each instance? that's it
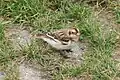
(69, 33)
(73, 32)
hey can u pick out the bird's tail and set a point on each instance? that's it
(39, 35)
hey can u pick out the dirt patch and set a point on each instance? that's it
(116, 55)
(84, 76)
(27, 72)
(106, 18)
(19, 38)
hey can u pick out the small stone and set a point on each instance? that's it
(2, 75)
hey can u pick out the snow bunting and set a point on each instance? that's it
(72, 34)
(62, 39)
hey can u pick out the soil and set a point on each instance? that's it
(27, 72)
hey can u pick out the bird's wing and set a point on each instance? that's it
(61, 37)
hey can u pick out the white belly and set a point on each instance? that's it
(57, 44)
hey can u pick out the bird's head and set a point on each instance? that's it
(74, 34)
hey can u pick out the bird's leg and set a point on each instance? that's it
(66, 53)
(68, 50)
(63, 53)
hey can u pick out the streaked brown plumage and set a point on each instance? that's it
(61, 39)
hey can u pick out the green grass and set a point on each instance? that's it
(7, 57)
(116, 9)
(50, 15)
(1, 31)
(98, 61)
(117, 12)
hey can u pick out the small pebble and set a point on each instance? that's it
(2, 76)
(2, 73)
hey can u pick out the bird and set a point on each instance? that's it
(62, 39)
